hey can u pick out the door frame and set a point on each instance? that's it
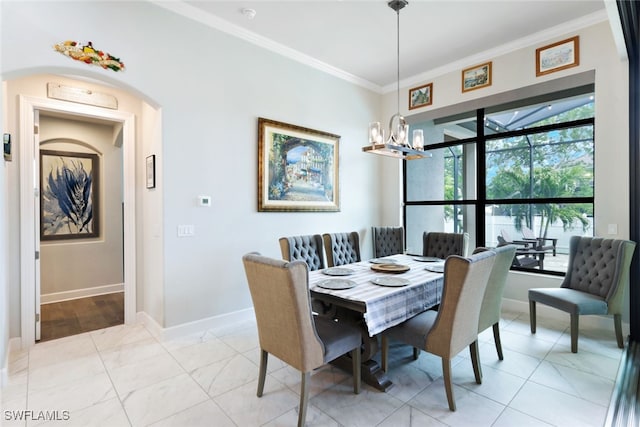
(29, 190)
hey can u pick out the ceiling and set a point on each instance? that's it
(356, 39)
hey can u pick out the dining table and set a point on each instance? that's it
(378, 294)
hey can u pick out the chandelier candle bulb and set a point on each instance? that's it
(374, 133)
(418, 139)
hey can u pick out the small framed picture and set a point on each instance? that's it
(151, 171)
(421, 96)
(6, 145)
(476, 77)
(558, 56)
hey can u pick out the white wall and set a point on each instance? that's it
(81, 264)
(211, 89)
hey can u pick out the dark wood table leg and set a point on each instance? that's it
(372, 372)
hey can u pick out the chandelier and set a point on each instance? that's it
(395, 142)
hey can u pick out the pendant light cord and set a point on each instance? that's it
(398, 57)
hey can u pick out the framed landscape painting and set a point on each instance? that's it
(476, 77)
(68, 195)
(558, 56)
(297, 168)
(421, 96)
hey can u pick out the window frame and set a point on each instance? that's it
(481, 201)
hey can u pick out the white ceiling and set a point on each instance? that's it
(356, 39)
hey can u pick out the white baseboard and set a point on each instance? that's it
(81, 293)
(191, 327)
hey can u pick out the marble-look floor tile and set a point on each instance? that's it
(246, 409)
(408, 380)
(73, 396)
(120, 335)
(515, 363)
(149, 404)
(231, 328)
(314, 418)
(12, 410)
(578, 383)
(560, 409)
(123, 376)
(62, 373)
(274, 364)
(525, 344)
(61, 350)
(322, 378)
(18, 363)
(205, 414)
(225, 375)
(242, 340)
(15, 387)
(512, 418)
(187, 340)
(496, 384)
(408, 416)
(368, 408)
(599, 341)
(202, 354)
(131, 353)
(594, 363)
(472, 409)
(144, 372)
(546, 329)
(108, 413)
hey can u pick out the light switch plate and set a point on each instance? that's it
(204, 201)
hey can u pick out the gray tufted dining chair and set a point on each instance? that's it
(454, 326)
(441, 245)
(387, 241)
(492, 301)
(288, 330)
(596, 281)
(341, 248)
(304, 248)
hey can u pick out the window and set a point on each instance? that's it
(520, 173)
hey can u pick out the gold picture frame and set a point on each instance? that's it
(297, 168)
(558, 56)
(476, 77)
(421, 96)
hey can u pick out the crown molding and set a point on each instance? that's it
(212, 21)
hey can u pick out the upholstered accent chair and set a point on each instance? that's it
(596, 281)
(387, 241)
(288, 330)
(441, 245)
(341, 248)
(304, 248)
(492, 300)
(454, 326)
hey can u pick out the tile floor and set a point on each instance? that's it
(123, 376)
